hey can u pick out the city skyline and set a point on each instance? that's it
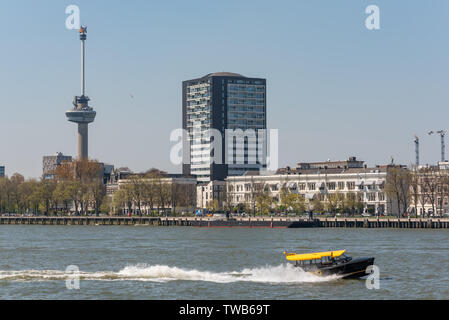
(335, 89)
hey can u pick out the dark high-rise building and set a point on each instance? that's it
(225, 102)
(2, 171)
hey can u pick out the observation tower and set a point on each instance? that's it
(81, 113)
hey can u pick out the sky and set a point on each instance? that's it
(334, 88)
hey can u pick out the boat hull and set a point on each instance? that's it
(353, 269)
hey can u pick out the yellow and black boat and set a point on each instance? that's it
(331, 263)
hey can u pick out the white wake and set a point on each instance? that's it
(285, 273)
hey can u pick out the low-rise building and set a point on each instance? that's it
(318, 181)
(114, 177)
(210, 194)
(51, 163)
(429, 190)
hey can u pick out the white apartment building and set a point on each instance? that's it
(368, 184)
(319, 179)
(207, 192)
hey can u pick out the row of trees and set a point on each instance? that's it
(150, 193)
(397, 188)
(77, 185)
(18, 195)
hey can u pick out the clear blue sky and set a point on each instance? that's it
(335, 89)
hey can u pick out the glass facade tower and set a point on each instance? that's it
(216, 109)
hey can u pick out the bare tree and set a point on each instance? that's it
(227, 198)
(256, 189)
(442, 188)
(430, 185)
(397, 187)
(414, 185)
(334, 201)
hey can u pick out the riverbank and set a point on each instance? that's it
(242, 222)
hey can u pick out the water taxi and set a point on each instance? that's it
(331, 263)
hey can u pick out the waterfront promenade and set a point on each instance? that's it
(245, 222)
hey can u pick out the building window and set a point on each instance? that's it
(350, 185)
(311, 186)
(371, 196)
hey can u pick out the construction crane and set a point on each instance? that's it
(417, 150)
(442, 133)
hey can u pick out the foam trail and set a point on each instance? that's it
(284, 273)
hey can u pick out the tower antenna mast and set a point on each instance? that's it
(83, 37)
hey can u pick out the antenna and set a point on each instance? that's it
(83, 37)
(417, 150)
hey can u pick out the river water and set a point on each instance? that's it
(143, 262)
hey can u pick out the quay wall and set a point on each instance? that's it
(247, 222)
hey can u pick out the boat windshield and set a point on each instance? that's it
(326, 260)
(343, 257)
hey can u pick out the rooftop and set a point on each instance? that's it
(224, 74)
(297, 171)
(314, 171)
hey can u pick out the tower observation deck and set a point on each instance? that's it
(81, 113)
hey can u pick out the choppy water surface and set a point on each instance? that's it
(139, 262)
